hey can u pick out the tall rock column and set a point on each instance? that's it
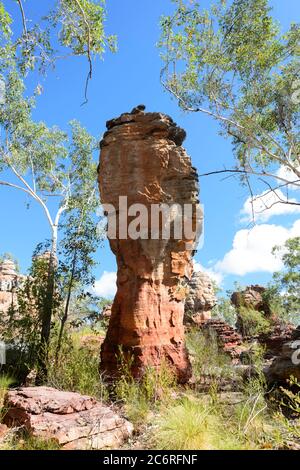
(142, 161)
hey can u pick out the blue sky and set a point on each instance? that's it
(120, 82)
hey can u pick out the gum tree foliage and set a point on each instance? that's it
(50, 166)
(71, 28)
(284, 291)
(232, 63)
(80, 242)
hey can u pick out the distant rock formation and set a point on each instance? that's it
(201, 298)
(10, 280)
(227, 337)
(142, 159)
(287, 363)
(274, 339)
(252, 297)
(73, 421)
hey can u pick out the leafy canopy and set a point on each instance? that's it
(232, 62)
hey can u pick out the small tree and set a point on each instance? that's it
(23, 324)
(232, 63)
(80, 242)
(52, 167)
(285, 289)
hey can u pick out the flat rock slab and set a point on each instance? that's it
(72, 420)
(37, 400)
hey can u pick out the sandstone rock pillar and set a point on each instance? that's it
(142, 159)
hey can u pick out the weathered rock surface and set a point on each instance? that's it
(9, 282)
(106, 313)
(287, 363)
(251, 297)
(91, 342)
(72, 420)
(228, 338)
(37, 400)
(201, 298)
(142, 159)
(3, 431)
(274, 340)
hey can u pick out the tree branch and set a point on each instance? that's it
(89, 75)
(252, 172)
(23, 16)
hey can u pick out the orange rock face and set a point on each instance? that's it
(142, 159)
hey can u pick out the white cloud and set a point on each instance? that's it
(268, 204)
(252, 249)
(286, 174)
(214, 275)
(106, 286)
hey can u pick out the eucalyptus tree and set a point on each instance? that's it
(53, 167)
(284, 290)
(80, 242)
(232, 63)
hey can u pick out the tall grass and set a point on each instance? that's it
(77, 370)
(140, 397)
(206, 356)
(192, 425)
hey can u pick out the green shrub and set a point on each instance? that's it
(291, 397)
(77, 370)
(252, 322)
(5, 383)
(26, 442)
(139, 397)
(206, 356)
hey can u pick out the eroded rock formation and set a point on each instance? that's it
(9, 282)
(72, 420)
(274, 339)
(227, 337)
(142, 158)
(252, 297)
(201, 298)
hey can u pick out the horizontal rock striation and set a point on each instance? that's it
(142, 159)
(73, 421)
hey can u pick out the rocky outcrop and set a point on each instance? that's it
(227, 337)
(201, 298)
(70, 419)
(252, 297)
(274, 340)
(142, 159)
(287, 363)
(9, 283)
(106, 312)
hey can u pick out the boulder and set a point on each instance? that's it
(9, 281)
(142, 161)
(70, 419)
(201, 298)
(283, 367)
(274, 340)
(252, 297)
(287, 363)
